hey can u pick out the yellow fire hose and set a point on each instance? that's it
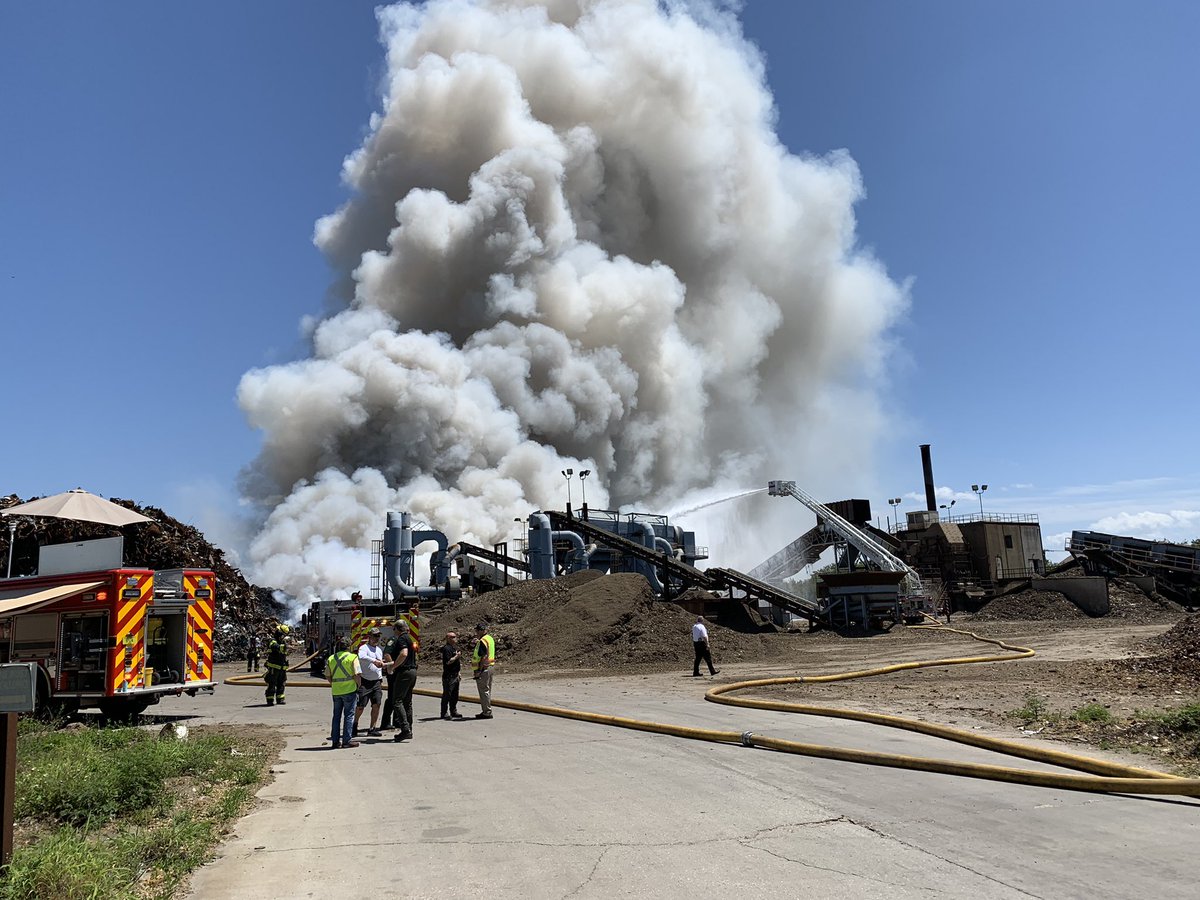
(1105, 777)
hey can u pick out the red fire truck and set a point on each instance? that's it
(117, 639)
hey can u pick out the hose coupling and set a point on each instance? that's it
(747, 739)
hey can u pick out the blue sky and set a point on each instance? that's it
(1030, 166)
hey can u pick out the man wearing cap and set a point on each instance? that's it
(373, 662)
(483, 660)
(344, 681)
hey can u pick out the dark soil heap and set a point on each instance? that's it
(586, 621)
(1175, 652)
(164, 543)
(1029, 605)
(1125, 599)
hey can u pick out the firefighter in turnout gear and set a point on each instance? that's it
(276, 676)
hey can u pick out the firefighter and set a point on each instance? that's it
(276, 676)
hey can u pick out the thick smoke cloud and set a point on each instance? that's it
(573, 239)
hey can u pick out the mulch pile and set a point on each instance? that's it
(1030, 606)
(1125, 599)
(1174, 653)
(165, 543)
(586, 621)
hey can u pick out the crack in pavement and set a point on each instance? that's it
(857, 875)
(955, 863)
(590, 875)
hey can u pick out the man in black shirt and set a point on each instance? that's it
(397, 710)
(451, 676)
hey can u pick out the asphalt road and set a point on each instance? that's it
(533, 806)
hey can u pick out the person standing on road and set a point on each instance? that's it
(345, 679)
(252, 653)
(700, 644)
(401, 681)
(276, 677)
(373, 665)
(483, 660)
(451, 676)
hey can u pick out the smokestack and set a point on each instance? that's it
(927, 468)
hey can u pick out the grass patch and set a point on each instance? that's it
(1093, 714)
(116, 813)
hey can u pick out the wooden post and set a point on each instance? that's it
(8, 753)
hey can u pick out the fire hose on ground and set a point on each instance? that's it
(1103, 777)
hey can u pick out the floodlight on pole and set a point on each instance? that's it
(894, 503)
(978, 490)
(567, 473)
(583, 490)
(946, 506)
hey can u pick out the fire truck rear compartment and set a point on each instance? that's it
(166, 639)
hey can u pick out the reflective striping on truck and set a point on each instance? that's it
(129, 655)
(199, 627)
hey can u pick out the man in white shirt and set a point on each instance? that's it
(374, 666)
(700, 643)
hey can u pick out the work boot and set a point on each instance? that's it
(282, 702)
(270, 703)
(351, 745)
(716, 671)
(483, 715)
(403, 736)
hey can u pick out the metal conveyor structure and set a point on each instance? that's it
(868, 546)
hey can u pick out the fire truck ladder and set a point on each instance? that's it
(760, 590)
(868, 546)
(670, 566)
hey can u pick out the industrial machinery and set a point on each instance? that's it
(1174, 568)
(893, 591)
(116, 638)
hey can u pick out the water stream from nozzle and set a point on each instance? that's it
(739, 495)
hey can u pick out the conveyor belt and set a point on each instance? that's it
(752, 587)
(492, 556)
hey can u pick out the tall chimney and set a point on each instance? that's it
(927, 468)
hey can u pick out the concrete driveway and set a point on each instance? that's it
(533, 806)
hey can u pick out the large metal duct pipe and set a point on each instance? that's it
(927, 468)
(399, 543)
(541, 546)
(648, 540)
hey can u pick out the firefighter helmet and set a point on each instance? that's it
(283, 629)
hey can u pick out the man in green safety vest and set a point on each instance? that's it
(345, 678)
(276, 676)
(483, 660)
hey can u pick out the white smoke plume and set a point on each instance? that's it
(573, 240)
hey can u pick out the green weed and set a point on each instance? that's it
(1093, 713)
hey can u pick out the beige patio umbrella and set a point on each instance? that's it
(80, 506)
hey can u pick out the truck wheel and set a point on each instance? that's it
(122, 710)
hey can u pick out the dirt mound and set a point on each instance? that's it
(587, 621)
(164, 543)
(1030, 605)
(1174, 654)
(1128, 601)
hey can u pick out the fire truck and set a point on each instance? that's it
(352, 619)
(117, 639)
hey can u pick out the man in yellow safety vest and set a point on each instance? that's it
(345, 677)
(483, 660)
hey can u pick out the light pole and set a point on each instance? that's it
(583, 490)
(978, 489)
(567, 473)
(946, 506)
(894, 503)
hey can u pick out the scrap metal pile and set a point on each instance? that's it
(165, 543)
